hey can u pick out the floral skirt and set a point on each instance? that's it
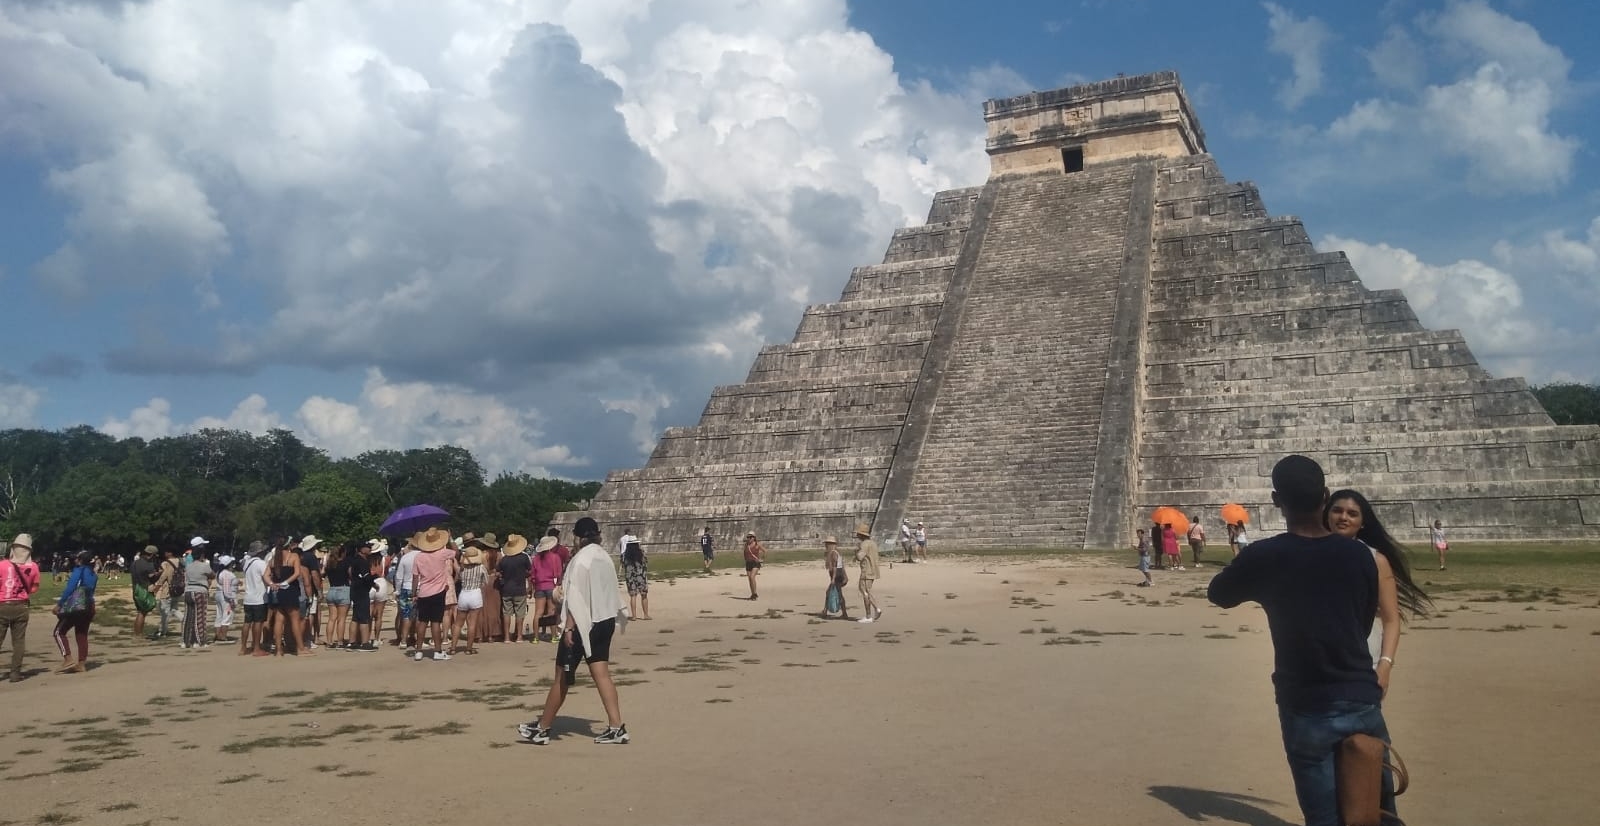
(638, 580)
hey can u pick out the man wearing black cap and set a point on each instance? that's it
(1320, 592)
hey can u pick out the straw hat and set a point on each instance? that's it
(23, 540)
(473, 555)
(488, 541)
(516, 544)
(150, 550)
(430, 540)
(863, 530)
(830, 540)
(547, 543)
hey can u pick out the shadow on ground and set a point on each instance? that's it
(1203, 804)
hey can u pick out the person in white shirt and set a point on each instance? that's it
(591, 614)
(255, 600)
(622, 544)
(405, 600)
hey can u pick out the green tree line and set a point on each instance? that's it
(1570, 403)
(80, 488)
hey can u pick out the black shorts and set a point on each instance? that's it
(431, 609)
(599, 637)
(255, 613)
(751, 565)
(361, 611)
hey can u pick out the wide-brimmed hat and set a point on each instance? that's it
(863, 530)
(547, 543)
(198, 542)
(430, 540)
(488, 541)
(309, 541)
(23, 540)
(749, 534)
(830, 540)
(150, 550)
(473, 555)
(225, 560)
(516, 544)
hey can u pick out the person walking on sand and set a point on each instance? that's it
(197, 579)
(1320, 594)
(867, 559)
(833, 598)
(254, 574)
(19, 581)
(708, 550)
(143, 576)
(636, 571)
(1436, 536)
(590, 615)
(74, 611)
(1197, 539)
(1143, 546)
(754, 554)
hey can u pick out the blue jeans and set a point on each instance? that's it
(1311, 740)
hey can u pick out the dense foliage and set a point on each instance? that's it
(81, 488)
(1569, 403)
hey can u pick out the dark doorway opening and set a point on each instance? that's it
(1072, 159)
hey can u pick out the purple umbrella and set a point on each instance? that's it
(413, 518)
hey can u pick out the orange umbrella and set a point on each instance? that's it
(1234, 514)
(1171, 516)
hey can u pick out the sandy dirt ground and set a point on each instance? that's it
(992, 691)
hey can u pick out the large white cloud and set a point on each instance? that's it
(559, 203)
(1494, 114)
(1301, 40)
(1573, 263)
(19, 403)
(386, 415)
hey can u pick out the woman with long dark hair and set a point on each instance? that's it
(336, 576)
(283, 578)
(636, 572)
(1349, 514)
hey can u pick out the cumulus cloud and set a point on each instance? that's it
(506, 197)
(1468, 295)
(1572, 262)
(1494, 114)
(1301, 39)
(18, 403)
(386, 415)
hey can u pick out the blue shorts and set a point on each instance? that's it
(339, 595)
(407, 604)
(1144, 563)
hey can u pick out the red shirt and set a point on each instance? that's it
(18, 580)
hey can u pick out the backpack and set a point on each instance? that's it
(176, 582)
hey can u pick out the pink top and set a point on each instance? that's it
(18, 580)
(546, 570)
(432, 573)
(1169, 541)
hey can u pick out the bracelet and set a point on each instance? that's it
(1389, 660)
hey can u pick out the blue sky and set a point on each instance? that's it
(545, 231)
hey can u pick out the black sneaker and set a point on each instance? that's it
(616, 735)
(531, 733)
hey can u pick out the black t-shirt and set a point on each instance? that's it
(309, 560)
(339, 575)
(1321, 596)
(143, 571)
(358, 571)
(514, 570)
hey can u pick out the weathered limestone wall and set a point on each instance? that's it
(1259, 346)
(1147, 116)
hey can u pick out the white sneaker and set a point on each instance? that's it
(417, 656)
(440, 656)
(1181, 568)
(864, 619)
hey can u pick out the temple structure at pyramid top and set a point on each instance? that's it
(1105, 326)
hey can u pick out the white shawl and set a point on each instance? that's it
(589, 591)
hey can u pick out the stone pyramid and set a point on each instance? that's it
(1106, 326)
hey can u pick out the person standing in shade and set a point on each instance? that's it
(197, 579)
(1320, 594)
(227, 594)
(833, 598)
(1197, 539)
(143, 576)
(255, 600)
(19, 581)
(867, 559)
(708, 549)
(590, 611)
(74, 611)
(754, 554)
(511, 577)
(1436, 536)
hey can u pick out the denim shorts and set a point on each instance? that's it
(1311, 740)
(339, 595)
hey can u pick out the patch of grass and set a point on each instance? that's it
(845, 660)
(82, 721)
(1221, 637)
(74, 765)
(243, 778)
(801, 665)
(1027, 631)
(369, 772)
(946, 596)
(1509, 627)
(1048, 629)
(1069, 641)
(56, 819)
(291, 693)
